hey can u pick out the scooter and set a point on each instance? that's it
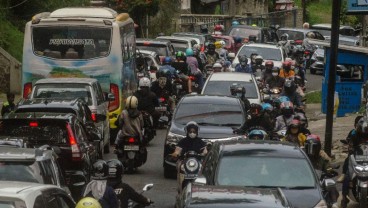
(131, 152)
(148, 131)
(190, 166)
(329, 191)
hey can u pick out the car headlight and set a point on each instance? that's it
(321, 204)
(173, 138)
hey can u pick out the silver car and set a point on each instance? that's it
(85, 88)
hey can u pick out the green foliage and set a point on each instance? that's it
(11, 39)
(314, 97)
(162, 21)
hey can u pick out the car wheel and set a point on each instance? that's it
(107, 147)
(312, 71)
(169, 172)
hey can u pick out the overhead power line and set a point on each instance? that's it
(24, 1)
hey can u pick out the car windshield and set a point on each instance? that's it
(63, 91)
(179, 45)
(265, 171)
(223, 88)
(21, 171)
(244, 32)
(293, 35)
(159, 49)
(273, 54)
(210, 114)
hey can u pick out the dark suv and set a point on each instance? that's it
(62, 131)
(37, 166)
(75, 106)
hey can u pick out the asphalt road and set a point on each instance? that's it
(314, 81)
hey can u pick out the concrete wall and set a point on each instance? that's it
(10, 73)
(253, 7)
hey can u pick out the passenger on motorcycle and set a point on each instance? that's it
(123, 191)
(181, 66)
(257, 134)
(287, 115)
(193, 66)
(286, 71)
(211, 54)
(98, 187)
(275, 80)
(258, 64)
(147, 100)
(243, 66)
(290, 91)
(191, 142)
(267, 72)
(294, 134)
(200, 56)
(162, 87)
(258, 119)
(223, 53)
(239, 91)
(167, 67)
(269, 109)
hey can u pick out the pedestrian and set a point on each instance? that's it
(305, 25)
(9, 105)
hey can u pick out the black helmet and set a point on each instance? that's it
(276, 70)
(237, 90)
(243, 60)
(286, 65)
(255, 109)
(287, 108)
(100, 170)
(163, 72)
(289, 86)
(116, 169)
(191, 125)
(211, 46)
(312, 145)
(258, 59)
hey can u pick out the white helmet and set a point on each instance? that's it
(217, 65)
(222, 43)
(144, 82)
(131, 102)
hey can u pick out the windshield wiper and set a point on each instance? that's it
(299, 187)
(208, 124)
(230, 124)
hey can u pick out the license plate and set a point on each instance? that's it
(179, 87)
(140, 74)
(160, 109)
(131, 147)
(361, 158)
(190, 176)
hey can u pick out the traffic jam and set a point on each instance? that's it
(220, 114)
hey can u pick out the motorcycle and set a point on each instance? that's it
(270, 94)
(190, 166)
(329, 191)
(165, 110)
(132, 204)
(180, 89)
(131, 152)
(148, 131)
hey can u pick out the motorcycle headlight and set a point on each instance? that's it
(321, 204)
(191, 165)
(173, 138)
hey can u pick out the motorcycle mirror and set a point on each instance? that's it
(147, 187)
(329, 184)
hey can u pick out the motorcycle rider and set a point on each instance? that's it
(123, 191)
(275, 80)
(98, 187)
(307, 46)
(217, 67)
(258, 64)
(257, 120)
(286, 71)
(130, 121)
(289, 90)
(193, 66)
(239, 91)
(294, 134)
(181, 66)
(9, 105)
(287, 115)
(267, 72)
(191, 142)
(147, 100)
(257, 134)
(167, 66)
(87, 202)
(162, 87)
(200, 56)
(211, 54)
(243, 66)
(223, 53)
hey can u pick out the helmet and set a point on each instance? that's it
(276, 70)
(312, 145)
(191, 125)
(144, 82)
(222, 43)
(253, 57)
(167, 60)
(116, 168)
(218, 44)
(257, 134)
(227, 63)
(255, 109)
(235, 23)
(162, 72)
(292, 62)
(88, 202)
(217, 65)
(258, 59)
(362, 126)
(284, 37)
(211, 46)
(289, 86)
(243, 60)
(180, 55)
(217, 28)
(237, 39)
(286, 65)
(311, 35)
(189, 52)
(100, 170)
(284, 99)
(295, 123)
(267, 107)
(269, 65)
(237, 90)
(287, 108)
(131, 102)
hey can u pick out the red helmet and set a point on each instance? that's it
(286, 65)
(269, 64)
(217, 28)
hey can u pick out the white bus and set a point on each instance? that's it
(91, 42)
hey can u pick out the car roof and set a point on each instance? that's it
(13, 154)
(152, 41)
(182, 38)
(210, 99)
(42, 115)
(236, 196)
(328, 26)
(297, 29)
(49, 103)
(147, 52)
(231, 76)
(261, 148)
(246, 26)
(21, 190)
(262, 45)
(67, 80)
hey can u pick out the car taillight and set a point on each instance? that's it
(76, 153)
(33, 124)
(27, 89)
(161, 99)
(298, 42)
(131, 140)
(191, 77)
(306, 52)
(93, 115)
(113, 105)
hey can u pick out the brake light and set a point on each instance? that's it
(93, 115)
(33, 124)
(306, 52)
(191, 77)
(113, 105)
(76, 153)
(131, 140)
(27, 89)
(146, 43)
(298, 42)
(162, 99)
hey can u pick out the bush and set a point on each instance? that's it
(314, 97)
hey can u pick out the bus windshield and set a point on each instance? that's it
(71, 42)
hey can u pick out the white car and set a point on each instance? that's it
(219, 84)
(267, 51)
(180, 43)
(33, 195)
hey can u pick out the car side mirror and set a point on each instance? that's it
(147, 187)
(200, 180)
(329, 184)
(109, 96)
(77, 179)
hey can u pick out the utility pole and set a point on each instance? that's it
(304, 7)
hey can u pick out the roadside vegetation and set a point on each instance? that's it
(314, 97)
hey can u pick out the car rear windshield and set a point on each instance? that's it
(21, 171)
(161, 50)
(223, 88)
(244, 32)
(179, 45)
(210, 114)
(273, 54)
(36, 133)
(264, 171)
(63, 91)
(293, 35)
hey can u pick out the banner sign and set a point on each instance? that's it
(357, 7)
